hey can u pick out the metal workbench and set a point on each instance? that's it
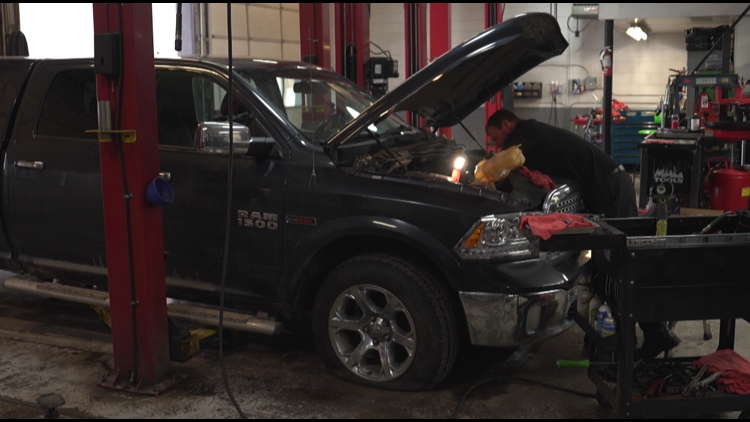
(644, 278)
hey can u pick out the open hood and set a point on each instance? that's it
(458, 82)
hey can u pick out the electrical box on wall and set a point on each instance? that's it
(107, 54)
(555, 88)
(378, 70)
(585, 11)
(589, 83)
(576, 87)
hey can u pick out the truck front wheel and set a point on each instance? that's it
(383, 322)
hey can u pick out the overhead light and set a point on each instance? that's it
(636, 32)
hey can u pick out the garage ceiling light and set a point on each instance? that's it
(636, 32)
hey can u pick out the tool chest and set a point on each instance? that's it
(644, 278)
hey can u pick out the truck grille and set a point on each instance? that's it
(566, 198)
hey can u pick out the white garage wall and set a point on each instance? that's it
(641, 69)
(387, 31)
(66, 30)
(260, 30)
(742, 48)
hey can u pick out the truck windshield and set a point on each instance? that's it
(316, 105)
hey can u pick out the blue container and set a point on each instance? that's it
(609, 326)
(159, 192)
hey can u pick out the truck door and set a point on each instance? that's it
(14, 74)
(194, 225)
(55, 194)
(54, 182)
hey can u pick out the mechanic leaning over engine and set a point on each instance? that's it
(607, 188)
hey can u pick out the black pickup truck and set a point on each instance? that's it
(349, 221)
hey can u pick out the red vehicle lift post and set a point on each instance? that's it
(440, 39)
(415, 28)
(135, 269)
(493, 15)
(314, 23)
(352, 37)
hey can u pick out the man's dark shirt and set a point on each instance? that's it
(559, 152)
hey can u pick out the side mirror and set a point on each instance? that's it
(213, 138)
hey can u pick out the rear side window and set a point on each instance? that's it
(69, 108)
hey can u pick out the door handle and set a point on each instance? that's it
(166, 176)
(34, 165)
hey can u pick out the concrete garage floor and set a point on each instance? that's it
(49, 346)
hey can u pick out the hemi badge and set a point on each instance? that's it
(305, 221)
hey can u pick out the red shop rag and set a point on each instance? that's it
(537, 178)
(547, 225)
(736, 369)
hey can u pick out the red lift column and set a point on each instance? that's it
(353, 41)
(440, 39)
(493, 15)
(415, 27)
(313, 20)
(140, 337)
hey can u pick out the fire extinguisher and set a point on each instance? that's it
(705, 102)
(605, 57)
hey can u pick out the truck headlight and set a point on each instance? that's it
(496, 237)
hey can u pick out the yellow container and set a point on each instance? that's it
(497, 168)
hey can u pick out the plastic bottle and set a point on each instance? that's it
(695, 123)
(609, 326)
(594, 305)
(604, 312)
(583, 296)
(583, 302)
(497, 168)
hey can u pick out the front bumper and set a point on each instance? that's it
(508, 320)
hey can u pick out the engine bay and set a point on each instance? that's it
(408, 152)
(418, 154)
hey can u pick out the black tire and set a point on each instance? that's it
(424, 317)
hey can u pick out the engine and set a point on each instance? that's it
(413, 154)
(423, 156)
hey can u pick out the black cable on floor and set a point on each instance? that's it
(128, 197)
(502, 380)
(228, 230)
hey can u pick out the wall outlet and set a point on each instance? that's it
(589, 83)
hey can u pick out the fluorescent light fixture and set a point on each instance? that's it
(636, 32)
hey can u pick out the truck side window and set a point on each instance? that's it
(69, 108)
(176, 107)
(184, 99)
